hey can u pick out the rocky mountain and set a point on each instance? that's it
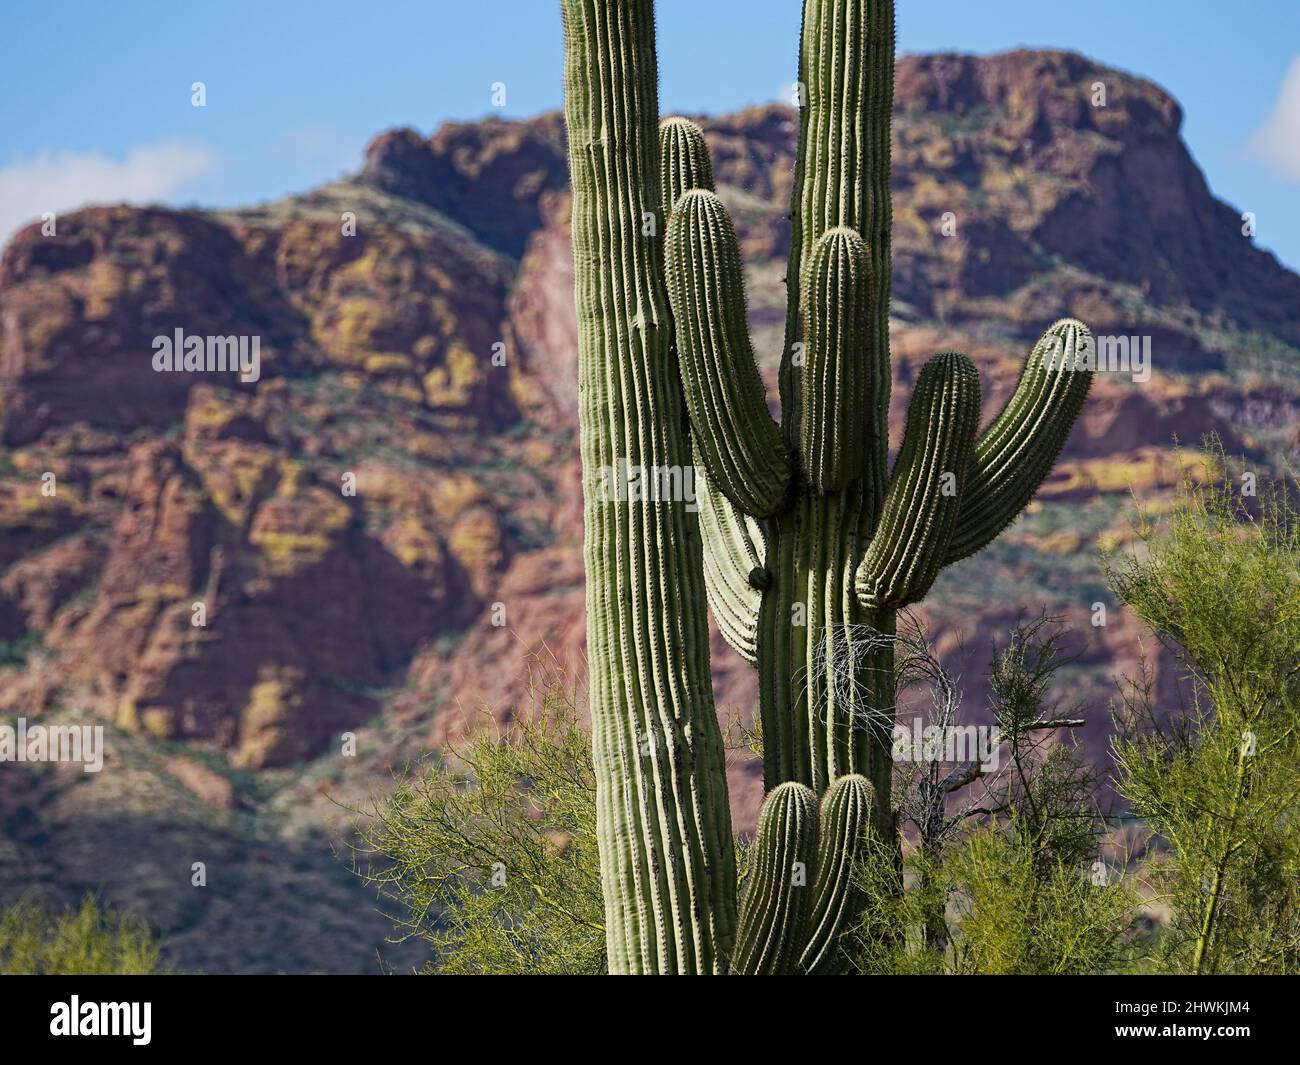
(382, 533)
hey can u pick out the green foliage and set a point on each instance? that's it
(491, 851)
(1219, 785)
(1002, 872)
(1023, 909)
(1009, 908)
(1005, 878)
(1049, 791)
(88, 941)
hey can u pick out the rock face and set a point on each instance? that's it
(386, 525)
(1047, 184)
(491, 176)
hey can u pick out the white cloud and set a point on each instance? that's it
(1278, 140)
(64, 181)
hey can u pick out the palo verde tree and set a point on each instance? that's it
(805, 544)
(1218, 581)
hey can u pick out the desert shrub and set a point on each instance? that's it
(91, 940)
(489, 850)
(1217, 781)
(1000, 869)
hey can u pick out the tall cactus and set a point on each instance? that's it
(805, 543)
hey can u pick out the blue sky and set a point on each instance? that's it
(97, 94)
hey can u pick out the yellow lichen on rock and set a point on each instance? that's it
(268, 718)
(454, 383)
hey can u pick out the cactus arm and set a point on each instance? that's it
(733, 543)
(684, 161)
(667, 861)
(734, 574)
(783, 860)
(734, 547)
(839, 374)
(925, 490)
(837, 898)
(846, 80)
(740, 443)
(1018, 449)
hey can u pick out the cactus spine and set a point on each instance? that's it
(805, 543)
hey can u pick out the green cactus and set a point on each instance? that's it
(805, 543)
(771, 935)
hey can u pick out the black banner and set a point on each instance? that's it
(342, 1014)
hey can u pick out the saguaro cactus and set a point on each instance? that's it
(806, 543)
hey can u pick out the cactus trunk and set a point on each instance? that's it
(826, 700)
(667, 861)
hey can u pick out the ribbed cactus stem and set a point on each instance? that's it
(684, 160)
(845, 827)
(846, 83)
(1016, 452)
(925, 491)
(735, 548)
(734, 571)
(836, 382)
(827, 697)
(779, 894)
(667, 863)
(740, 443)
(819, 689)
